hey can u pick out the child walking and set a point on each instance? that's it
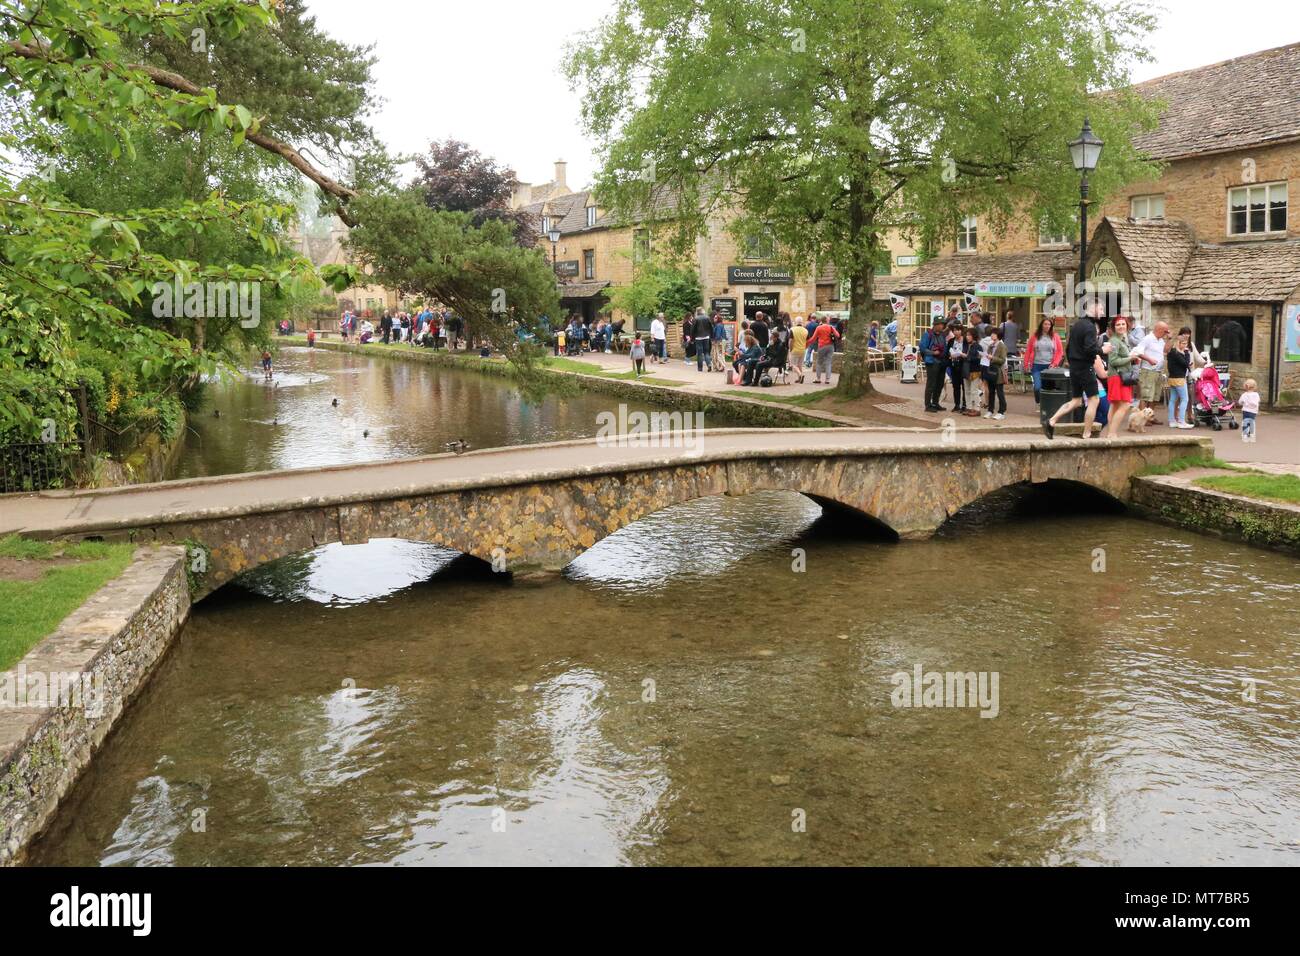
(1249, 402)
(637, 352)
(266, 365)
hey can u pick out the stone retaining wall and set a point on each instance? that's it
(99, 659)
(748, 412)
(1175, 501)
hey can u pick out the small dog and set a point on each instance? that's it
(1139, 419)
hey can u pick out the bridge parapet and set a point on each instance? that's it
(541, 506)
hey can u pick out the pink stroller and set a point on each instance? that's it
(1212, 406)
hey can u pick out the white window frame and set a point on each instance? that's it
(1059, 239)
(1268, 188)
(591, 216)
(589, 263)
(968, 235)
(546, 224)
(1147, 199)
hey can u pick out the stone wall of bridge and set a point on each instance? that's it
(532, 525)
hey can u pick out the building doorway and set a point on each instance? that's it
(765, 302)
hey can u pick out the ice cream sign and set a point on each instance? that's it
(1012, 288)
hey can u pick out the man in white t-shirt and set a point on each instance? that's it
(1152, 350)
(658, 335)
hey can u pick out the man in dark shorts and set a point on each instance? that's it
(1082, 350)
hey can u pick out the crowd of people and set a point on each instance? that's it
(430, 328)
(1119, 369)
(779, 345)
(974, 357)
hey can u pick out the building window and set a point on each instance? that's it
(641, 245)
(1147, 207)
(1048, 238)
(546, 224)
(591, 216)
(760, 246)
(1228, 337)
(589, 263)
(1257, 209)
(966, 235)
(920, 319)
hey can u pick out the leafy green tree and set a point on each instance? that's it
(78, 74)
(475, 268)
(659, 287)
(826, 121)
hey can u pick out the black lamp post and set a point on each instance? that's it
(1085, 152)
(554, 236)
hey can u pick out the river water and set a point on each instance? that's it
(720, 683)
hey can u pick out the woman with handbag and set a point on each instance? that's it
(994, 362)
(1122, 365)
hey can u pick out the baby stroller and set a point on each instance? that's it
(1212, 406)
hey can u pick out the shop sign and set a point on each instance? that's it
(759, 275)
(1013, 288)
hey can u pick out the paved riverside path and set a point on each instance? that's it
(54, 513)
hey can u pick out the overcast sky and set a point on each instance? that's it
(487, 71)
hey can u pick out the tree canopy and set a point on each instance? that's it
(826, 122)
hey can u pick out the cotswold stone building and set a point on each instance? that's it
(597, 252)
(1214, 236)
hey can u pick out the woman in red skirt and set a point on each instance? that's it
(1120, 364)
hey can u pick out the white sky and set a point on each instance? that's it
(487, 71)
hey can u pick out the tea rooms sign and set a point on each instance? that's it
(759, 275)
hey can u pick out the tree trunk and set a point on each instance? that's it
(855, 377)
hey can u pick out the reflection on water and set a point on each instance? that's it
(386, 409)
(682, 695)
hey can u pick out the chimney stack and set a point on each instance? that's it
(560, 166)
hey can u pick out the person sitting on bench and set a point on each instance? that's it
(752, 358)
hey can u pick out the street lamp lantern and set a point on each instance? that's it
(1086, 150)
(1085, 153)
(554, 236)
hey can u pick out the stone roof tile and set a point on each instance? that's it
(1157, 251)
(1247, 101)
(1242, 272)
(957, 272)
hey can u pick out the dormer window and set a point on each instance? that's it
(591, 216)
(546, 224)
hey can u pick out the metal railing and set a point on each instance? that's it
(36, 466)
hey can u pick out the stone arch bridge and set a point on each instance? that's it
(539, 506)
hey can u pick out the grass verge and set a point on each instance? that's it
(32, 609)
(1190, 461)
(1283, 488)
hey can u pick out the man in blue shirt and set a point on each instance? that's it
(933, 349)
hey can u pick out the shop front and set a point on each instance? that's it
(1023, 285)
(1240, 301)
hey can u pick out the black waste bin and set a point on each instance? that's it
(1055, 393)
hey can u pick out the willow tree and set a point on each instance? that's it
(826, 122)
